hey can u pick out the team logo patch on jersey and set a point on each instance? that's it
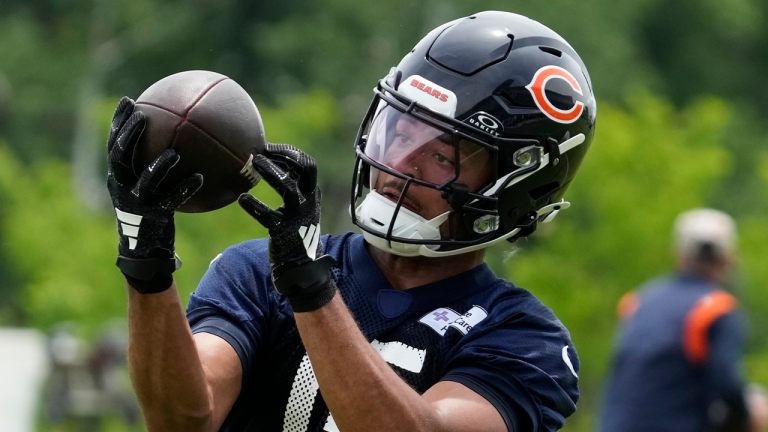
(441, 319)
(486, 122)
(538, 85)
(429, 94)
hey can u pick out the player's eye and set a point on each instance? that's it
(442, 159)
(402, 139)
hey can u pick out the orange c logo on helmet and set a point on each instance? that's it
(537, 86)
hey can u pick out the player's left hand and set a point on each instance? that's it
(294, 228)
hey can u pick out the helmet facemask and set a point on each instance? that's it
(427, 176)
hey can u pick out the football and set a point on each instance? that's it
(214, 126)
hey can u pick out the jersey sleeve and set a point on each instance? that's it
(723, 368)
(526, 367)
(234, 301)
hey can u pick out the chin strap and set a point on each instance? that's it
(457, 196)
(424, 250)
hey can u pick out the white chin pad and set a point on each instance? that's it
(376, 212)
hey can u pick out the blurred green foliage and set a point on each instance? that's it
(679, 84)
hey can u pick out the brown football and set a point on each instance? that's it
(213, 125)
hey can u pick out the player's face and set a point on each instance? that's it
(426, 153)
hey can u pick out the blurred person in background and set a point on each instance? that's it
(72, 394)
(677, 364)
(85, 385)
(107, 363)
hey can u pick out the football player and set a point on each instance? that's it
(678, 358)
(472, 140)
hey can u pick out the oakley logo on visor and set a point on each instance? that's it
(486, 122)
(537, 88)
(429, 94)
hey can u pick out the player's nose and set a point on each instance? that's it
(410, 166)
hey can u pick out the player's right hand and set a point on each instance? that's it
(144, 216)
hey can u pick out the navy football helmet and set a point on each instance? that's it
(493, 114)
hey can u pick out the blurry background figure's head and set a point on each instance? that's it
(705, 243)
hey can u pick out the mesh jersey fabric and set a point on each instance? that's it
(654, 385)
(473, 328)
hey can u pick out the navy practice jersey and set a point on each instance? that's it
(473, 328)
(679, 352)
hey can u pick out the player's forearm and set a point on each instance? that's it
(165, 368)
(362, 392)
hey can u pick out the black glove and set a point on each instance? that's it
(144, 217)
(294, 228)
